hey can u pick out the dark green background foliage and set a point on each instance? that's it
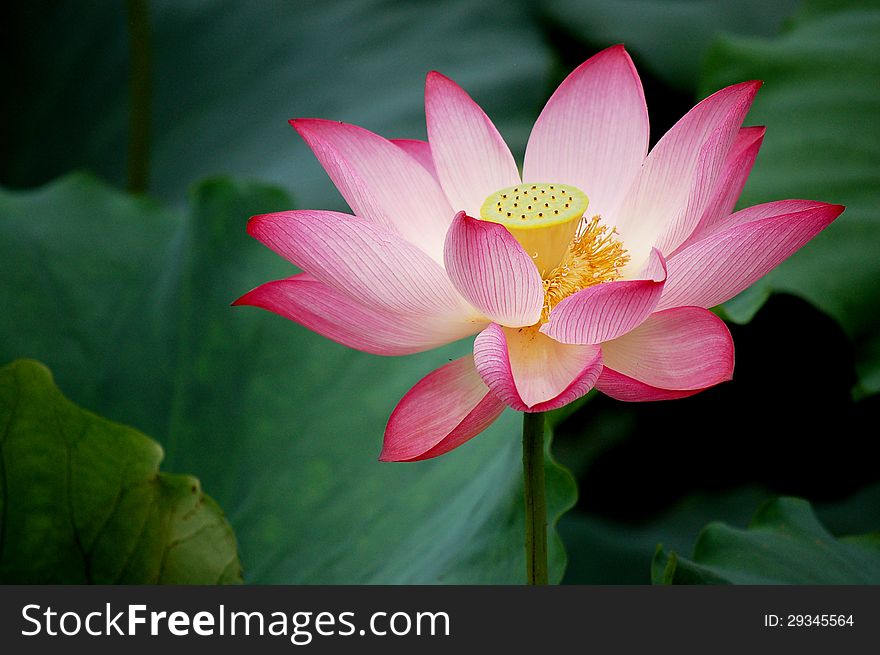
(126, 299)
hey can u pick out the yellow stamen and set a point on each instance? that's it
(594, 256)
(542, 217)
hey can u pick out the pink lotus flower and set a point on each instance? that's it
(595, 268)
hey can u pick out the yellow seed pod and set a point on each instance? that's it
(542, 217)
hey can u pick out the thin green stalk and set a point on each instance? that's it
(140, 91)
(535, 498)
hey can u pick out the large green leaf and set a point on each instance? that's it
(604, 551)
(129, 305)
(228, 75)
(82, 501)
(784, 544)
(670, 37)
(820, 103)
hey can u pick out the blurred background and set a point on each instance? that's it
(137, 138)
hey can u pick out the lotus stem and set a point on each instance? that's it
(535, 498)
(140, 91)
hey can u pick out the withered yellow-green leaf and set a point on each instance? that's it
(82, 499)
